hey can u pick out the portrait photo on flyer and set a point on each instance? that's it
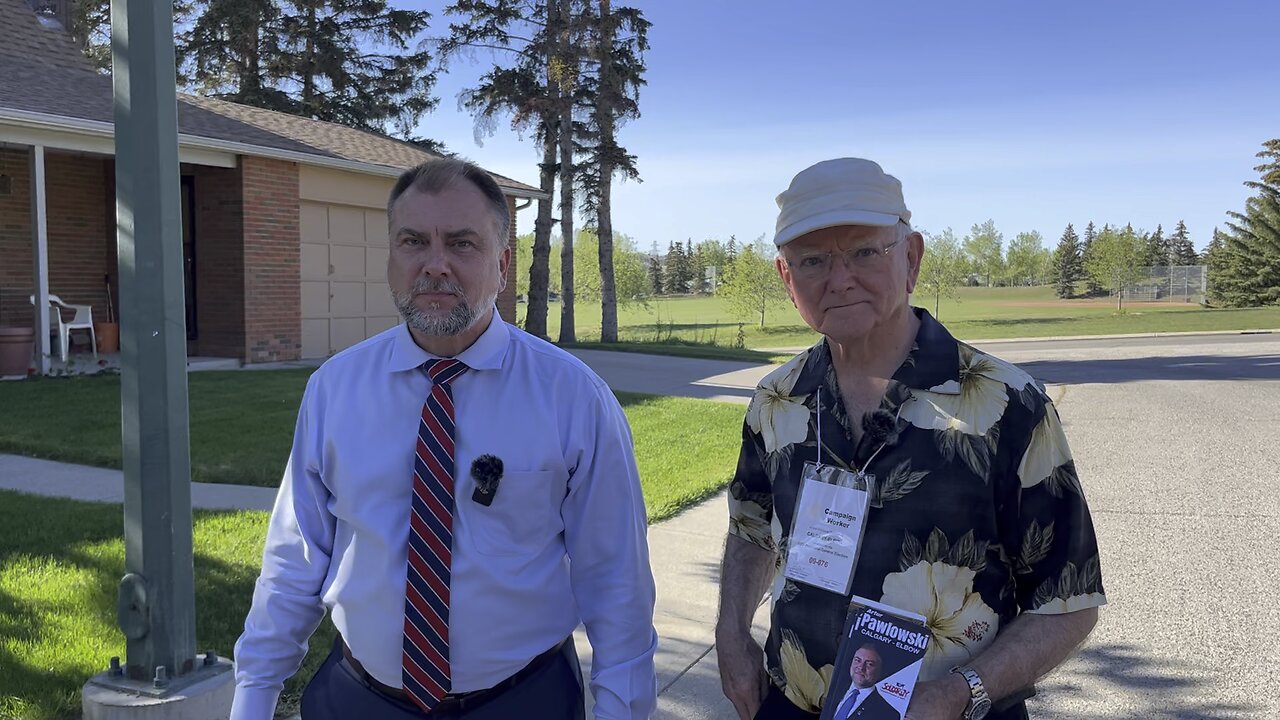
(878, 661)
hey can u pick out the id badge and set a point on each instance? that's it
(826, 532)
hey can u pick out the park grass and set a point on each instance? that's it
(975, 313)
(60, 564)
(61, 559)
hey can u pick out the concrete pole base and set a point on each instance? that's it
(205, 694)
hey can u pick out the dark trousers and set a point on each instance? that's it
(554, 692)
(776, 706)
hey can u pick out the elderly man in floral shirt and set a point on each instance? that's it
(976, 518)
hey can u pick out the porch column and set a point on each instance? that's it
(40, 236)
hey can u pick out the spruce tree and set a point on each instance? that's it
(231, 51)
(1070, 264)
(350, 62)
(1214, 259)
(1091, 286)
(1250, 273)
(1181, 250)
(1156, 248)
(677, 270)
(655, 273)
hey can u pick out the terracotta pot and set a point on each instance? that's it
(17, 350)
(108, 334)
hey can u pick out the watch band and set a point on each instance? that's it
(979, 700)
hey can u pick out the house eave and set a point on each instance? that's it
(98, 130)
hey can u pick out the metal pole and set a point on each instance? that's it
(40, 230)
(157, 595)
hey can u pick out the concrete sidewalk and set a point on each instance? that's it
(685, 551)
(81, 482)
(722, 380)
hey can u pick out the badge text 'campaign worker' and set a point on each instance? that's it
(827, 530)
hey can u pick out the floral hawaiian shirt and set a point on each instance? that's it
(976, 511)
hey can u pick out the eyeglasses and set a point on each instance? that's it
(815, 266)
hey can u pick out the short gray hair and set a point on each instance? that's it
(434, 176)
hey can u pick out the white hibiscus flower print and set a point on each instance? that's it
(974, 404)
(959, 622)
(780, 419)
(806, 686)
(1046, 452)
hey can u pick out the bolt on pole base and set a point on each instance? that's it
(205, 692)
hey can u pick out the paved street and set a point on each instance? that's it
(1176, 445)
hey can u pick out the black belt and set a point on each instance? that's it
(462, 701)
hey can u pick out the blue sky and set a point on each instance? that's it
(1030, 114)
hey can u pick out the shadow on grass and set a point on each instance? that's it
(79, 544)
(1007, 322)
(769, 330)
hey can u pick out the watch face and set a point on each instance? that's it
(980, 709)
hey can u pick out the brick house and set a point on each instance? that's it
(284, 221)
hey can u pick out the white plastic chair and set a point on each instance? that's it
(82, 320)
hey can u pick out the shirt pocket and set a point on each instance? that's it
(524, 515)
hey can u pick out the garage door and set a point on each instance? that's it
(344, 277)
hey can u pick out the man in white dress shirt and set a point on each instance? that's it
(459, 496)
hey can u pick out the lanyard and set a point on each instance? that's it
(862, 471)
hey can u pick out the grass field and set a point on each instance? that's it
(978, 313)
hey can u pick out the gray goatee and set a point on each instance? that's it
(461, 317)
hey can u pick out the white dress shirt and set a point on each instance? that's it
(563, 541)
(853, 691)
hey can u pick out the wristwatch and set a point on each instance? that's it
(979, 701)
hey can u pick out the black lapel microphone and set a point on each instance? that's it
(880, 427)
(487, 471)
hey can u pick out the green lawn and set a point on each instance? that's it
(978, 313)
(60, 564)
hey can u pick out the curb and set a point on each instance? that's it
(1069, 338)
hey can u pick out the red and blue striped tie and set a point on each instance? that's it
(425, 665)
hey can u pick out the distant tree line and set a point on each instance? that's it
(1108, 259)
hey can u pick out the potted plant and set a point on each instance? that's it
(17, 347)
(108, 333)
